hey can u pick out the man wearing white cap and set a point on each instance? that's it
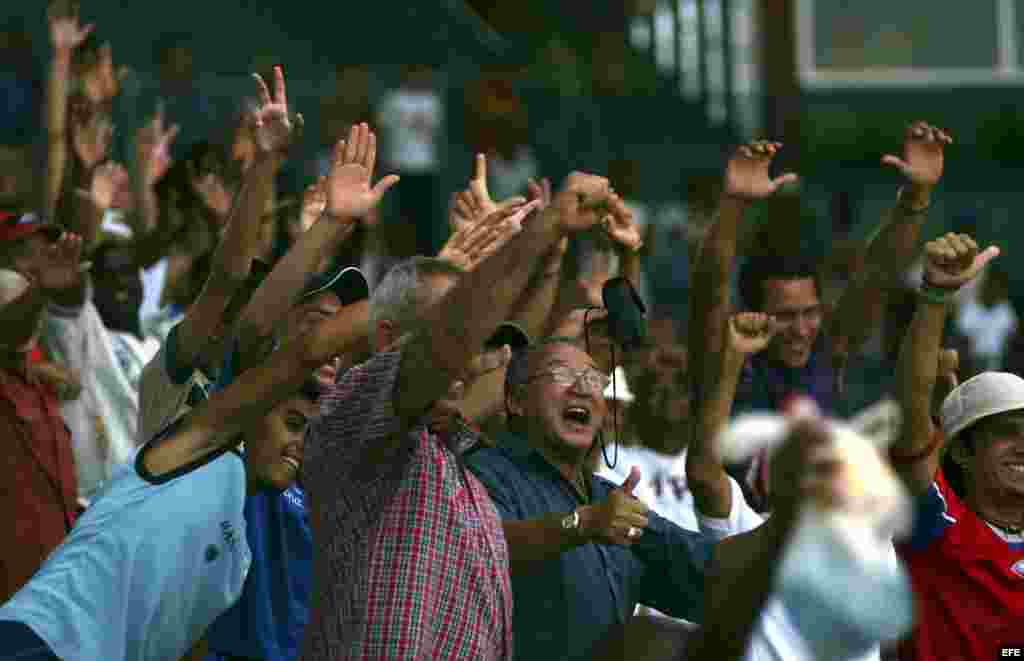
(966, 556)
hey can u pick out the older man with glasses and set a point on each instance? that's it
(583, 551)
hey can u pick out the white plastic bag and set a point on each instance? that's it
(839, 579)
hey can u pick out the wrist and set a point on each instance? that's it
(584, 532)
(930, 293)
(914, 198)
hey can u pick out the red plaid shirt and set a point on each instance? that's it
(410, 561)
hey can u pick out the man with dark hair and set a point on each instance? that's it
(809, 352)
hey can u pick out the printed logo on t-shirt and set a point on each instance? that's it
(1018, 568)
(228, 531)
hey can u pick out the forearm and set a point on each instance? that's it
(893, 247)
(456, 329)
(56, 127)
(631, 267)
(536, 541)
(735, 603)
(705, 469)
(485, 398)
(218, 421)
(238, 248)
(917, 373)
(709, 302)
(534, 307)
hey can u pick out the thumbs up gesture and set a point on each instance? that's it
(619, 520)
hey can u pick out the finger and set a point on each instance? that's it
(746, 152)
(384, 185)
(371, 152)
(171, 134)
(363, 148)
(489, 362)
(512, 202)
(895, 162)
(279, 89)
(339, 154)
(788, 178)
(632, 519)
(480, 168)
(462, 209)
(985, 257)
(351, 146)
(545, 185)
(634, 479)
(262, 90)
(533, 190)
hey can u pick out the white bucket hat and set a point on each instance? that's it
(984, 395)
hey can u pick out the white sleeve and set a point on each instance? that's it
(742, 517)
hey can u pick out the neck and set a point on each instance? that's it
(1003, 510)
(568, 462)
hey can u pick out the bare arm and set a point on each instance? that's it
(746, 180)
(745, 334)
(950, 262)
(457, 328)
(65, 36)
(215, 423)
(348, 196)
(233, 258)
(894, 245)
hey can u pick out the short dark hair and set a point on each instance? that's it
(760, 268)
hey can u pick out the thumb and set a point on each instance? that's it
(894, 162)
(631, 481)
(384, 184)
(985, 257)
(788, 178)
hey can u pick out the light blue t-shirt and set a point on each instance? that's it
(147, 568)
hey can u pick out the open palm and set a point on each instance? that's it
(923, 154)
(349, 193)
(747, 176)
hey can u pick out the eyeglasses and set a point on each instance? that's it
(566, 376)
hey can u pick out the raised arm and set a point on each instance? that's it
(894, 244)
(456, 329)
(349, 196)
(745, 334)
(65, 36)
(233, 258)
(746, 181)
(950, 262)
(215, 423)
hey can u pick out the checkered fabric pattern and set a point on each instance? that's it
(410, 561)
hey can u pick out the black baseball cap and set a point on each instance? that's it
(348, 284)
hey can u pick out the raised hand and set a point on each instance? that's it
(746, 174)
(212, 190)
(314, 200)
(349, 194)
(60, 266)
(619, 520)
(66, 34)
(101, 82)
(475, 203)
(750, 332)
(153, 148)
(621, 226)
(91, 139)
(953, 260)
(447, 410)
(473, 243)
(109, 181)
(582, 202)
(272, 126)
(923, 155)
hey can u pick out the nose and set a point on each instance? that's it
(804, 327)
